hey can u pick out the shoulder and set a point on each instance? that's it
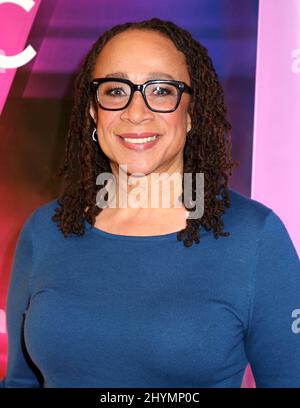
(41, 216)
(243, 205)
(247, 213)
(251, 223)
(258, 222)
(39, 222)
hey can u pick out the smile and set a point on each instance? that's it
(144, 140)
(139, 144)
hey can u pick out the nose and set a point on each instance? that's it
(137, 110)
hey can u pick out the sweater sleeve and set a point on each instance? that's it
(21, 372)
(272, 343)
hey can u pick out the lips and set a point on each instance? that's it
(124, 139)
(138, 135)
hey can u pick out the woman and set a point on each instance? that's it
(120, 296)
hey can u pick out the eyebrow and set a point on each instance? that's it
(151, 75)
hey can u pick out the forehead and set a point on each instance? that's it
(138, 53)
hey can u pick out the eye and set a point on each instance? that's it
(114, 92)
(161, 91)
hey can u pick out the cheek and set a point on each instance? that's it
(106, 128)
(176, 122)
(107, 121)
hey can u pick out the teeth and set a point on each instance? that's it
(139, 140)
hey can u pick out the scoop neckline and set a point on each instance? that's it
(109, 235)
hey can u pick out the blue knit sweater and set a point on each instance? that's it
(108, 310)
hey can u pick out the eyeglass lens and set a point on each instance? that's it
(115, 95)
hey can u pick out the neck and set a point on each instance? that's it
(155, 192)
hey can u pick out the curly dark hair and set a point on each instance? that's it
(207, 148)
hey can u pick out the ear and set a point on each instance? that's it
(189, 123)
(92, 113)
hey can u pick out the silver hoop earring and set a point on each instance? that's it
(93, 135)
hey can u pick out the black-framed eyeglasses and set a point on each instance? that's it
(160, 95)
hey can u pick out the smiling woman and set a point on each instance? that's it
(120, 296)
(145, 130)
(167, 89)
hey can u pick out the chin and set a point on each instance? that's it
(135, 168)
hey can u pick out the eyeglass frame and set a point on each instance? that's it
(180, 85)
